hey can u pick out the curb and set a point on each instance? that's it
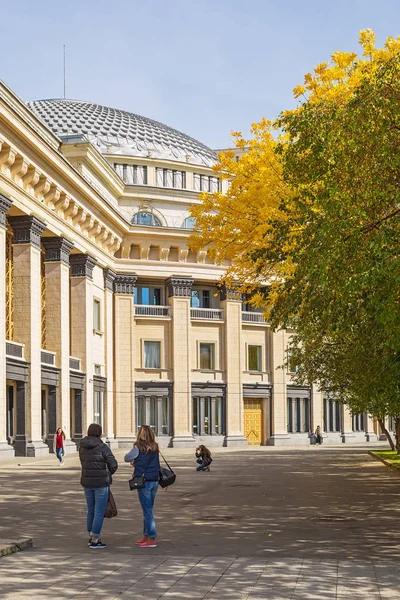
(7, 548)
(384, 461)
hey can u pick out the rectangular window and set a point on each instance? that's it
(147, 295)
(201, 299)
(207, 356)
(179, 178)
(159, 177)
(152, 355)
(208, 416)
(98, 407)
(298, 415)
(97, 369)
(254, 357)
(96, 315)
(292, 365)
(196, 182)
(153, 411)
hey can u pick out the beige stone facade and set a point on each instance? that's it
(105, 313)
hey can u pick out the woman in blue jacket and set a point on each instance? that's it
(145, 458)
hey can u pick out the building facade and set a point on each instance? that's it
(107, 316)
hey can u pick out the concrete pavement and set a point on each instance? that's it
(264, 523)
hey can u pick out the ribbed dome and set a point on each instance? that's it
(115, 131)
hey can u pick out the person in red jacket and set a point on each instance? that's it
(59, 445)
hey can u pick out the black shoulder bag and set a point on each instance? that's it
(137, 483)
(166, 476)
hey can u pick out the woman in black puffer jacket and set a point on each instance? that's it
(98, 464)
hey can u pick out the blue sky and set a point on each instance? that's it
(206, 67)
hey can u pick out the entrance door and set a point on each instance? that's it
(253, 419)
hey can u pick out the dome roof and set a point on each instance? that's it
(114, 131)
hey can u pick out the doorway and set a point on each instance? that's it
(253, 421)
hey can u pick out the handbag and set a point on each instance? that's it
(111, 508)
(166, 475)
(137, 483)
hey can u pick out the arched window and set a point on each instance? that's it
(188, 223)
(146, 218)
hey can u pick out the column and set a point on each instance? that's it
(57, 273)
(27, 324)
(348, 435)
(109, 278)
(6, 451)
(231, 303)
(280, 436)
(125, 421)
(179, 293)
(81, 311)
(317, 408)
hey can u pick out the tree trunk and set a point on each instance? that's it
(385, 431)
(397, 433)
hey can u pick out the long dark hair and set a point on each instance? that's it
(62, 432)
(146, 440)
(204, 452)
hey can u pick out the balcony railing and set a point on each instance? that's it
(14, 349)
(74, 363)
(253, 317)
(145, 310)
(207, 313)
(47, 358)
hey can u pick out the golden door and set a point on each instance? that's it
(253, 421)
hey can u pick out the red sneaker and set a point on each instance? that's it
(147, 544)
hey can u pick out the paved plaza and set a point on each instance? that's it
(263, 524)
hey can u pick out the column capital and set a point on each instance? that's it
(109, 278)
(58, 249)
(125, 283)
(82, 265)
(230, 293)
(179, 286)
(27, 230)
(5, 204)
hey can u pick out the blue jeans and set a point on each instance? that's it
(59, 454)
(147, 495)
(96, 500)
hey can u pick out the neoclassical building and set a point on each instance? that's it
(105, 313)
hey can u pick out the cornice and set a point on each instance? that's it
(24, 113)
(34, 181)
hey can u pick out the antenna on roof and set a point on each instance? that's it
(64, 70)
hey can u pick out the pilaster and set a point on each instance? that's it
(81, 319)
(348, 435)
(179, 293)
(280, 436)
(6, 451)
(125, 418)
(27, 326)
(231, 303)
(57, 272)
(109, 279)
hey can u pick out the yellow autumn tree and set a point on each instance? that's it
(235, 226)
